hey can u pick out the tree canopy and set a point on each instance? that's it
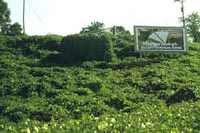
(4, 13)
(193, 26)
(93, 27)
(119, 30)
(15, 29)
(6, 28)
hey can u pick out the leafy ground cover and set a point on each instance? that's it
(127, 95)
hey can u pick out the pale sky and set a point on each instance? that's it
(66, 17)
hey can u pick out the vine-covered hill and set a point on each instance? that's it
(40, 93)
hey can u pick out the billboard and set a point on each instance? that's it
(160, 39)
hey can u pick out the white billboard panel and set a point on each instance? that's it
(160, 39)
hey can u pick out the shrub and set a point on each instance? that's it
(85, 47)
(49, 42)
(127, 51)
(184, 94)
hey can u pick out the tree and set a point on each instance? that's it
(94, 27)
(193, 26)
(5, 29)
(119, 30)
(121, 33)
(4, 14)
(15, 29)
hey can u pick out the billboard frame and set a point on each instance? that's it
(185, 44)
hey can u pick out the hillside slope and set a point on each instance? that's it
(128, 95)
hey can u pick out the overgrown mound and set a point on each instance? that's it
(87, 47)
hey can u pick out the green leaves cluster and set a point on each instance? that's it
(6, 28)
(4, 13)
(11, 29)
(94, 27)
(193, 26)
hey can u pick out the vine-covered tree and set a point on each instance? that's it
(119, 30)
(122, 33)
(193, 26)
(4, 14)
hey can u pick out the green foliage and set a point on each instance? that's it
(120, 30)
(48, 42)
(193, 26)
(126, 95)
(4, 13)
(95, 27)
(85, 47)
(15, 29)
(11, 30)
(123, 41)
(6, 28)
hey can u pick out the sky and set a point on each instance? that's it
(64, 17)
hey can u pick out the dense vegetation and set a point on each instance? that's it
(41, 92)
(81, 47)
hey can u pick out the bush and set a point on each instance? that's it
(85, 47)
(51, 42)
(127, 51)
(184, 94)
(48, 42)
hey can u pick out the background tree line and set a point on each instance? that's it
(193, 26)
(6, 28)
